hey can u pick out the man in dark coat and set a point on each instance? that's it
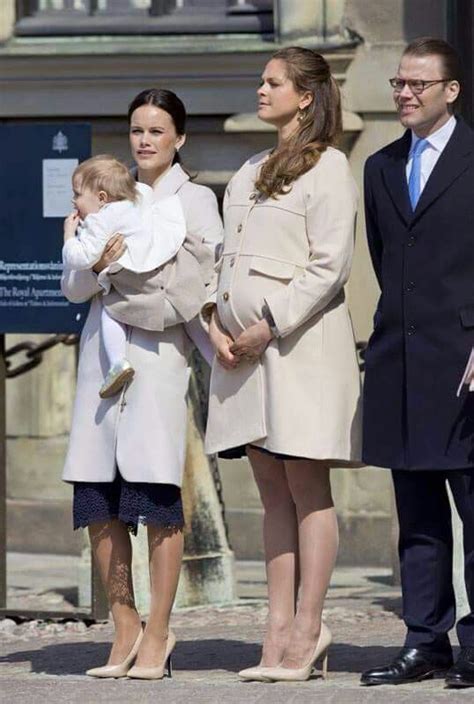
(419, 197)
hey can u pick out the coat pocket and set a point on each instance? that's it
(467, 316)
(273, 268)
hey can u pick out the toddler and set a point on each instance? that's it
(107, 200)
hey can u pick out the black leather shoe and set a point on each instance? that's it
(462, 673)
(410, 665)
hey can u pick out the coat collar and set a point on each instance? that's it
(453, 161)
(395, 178)
(171, 182)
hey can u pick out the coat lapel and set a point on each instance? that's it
(394, 175)
(453, 161)
(170, 183)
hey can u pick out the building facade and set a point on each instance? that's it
(84, 60)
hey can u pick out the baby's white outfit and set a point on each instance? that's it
(153, 231)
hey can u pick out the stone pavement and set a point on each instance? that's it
(44, 662)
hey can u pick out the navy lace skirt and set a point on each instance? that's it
(130, 502)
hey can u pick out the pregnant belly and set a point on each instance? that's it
(240, 300)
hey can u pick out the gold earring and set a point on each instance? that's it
(301, 115)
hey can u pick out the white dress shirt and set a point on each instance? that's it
(436, 143)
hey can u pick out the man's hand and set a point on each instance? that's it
(221, 341)
(70, 225)
(253, 342)
(113, 250)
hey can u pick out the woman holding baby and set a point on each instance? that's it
(126, 453)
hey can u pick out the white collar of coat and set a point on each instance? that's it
(171, 182)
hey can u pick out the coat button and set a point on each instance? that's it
(239, 229)
(225, 296)
(410, 286)
(411, 241)
(411, 330)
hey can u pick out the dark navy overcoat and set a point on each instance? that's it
(424, 322)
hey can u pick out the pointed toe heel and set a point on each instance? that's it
(120, 670)
(158, 672)
(255, 674)
(320, 653)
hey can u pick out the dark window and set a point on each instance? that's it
(80, 17)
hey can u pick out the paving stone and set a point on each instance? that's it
(45, 661)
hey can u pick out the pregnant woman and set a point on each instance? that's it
(285, 381)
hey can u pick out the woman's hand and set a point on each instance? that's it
(221, 341)
(253, 342)
(70, 225)
(113, 250)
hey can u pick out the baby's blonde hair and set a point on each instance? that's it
(106, 173)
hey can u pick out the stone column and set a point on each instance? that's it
(39, 407)
(298, 19)
(7, 19)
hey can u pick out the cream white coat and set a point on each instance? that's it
(143, 430)
(294, 254)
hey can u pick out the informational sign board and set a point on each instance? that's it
(36, 164)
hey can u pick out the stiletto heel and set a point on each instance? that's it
(286, 674)
(122, 668)
(155, 673)
(324, 669)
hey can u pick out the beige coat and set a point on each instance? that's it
(294, 253)
(143, 431)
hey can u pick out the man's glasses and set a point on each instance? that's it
(416, 86)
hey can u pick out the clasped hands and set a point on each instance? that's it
(250, 344)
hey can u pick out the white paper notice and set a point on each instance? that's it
(57, 187)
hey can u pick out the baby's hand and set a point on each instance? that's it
(70, 225)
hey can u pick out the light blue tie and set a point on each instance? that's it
(414, 186)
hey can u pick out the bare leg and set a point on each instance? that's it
(281, 552)
(166, 553)
(112, 551)
(318, 542)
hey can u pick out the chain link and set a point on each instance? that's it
(361, 347)
(33, 351)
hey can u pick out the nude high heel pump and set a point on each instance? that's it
(286, 674)
(122, 668)
(255, 674)
(156, 673)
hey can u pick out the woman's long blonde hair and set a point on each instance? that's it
(319, 125)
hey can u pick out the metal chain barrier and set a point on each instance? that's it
(361, 347)
(33, 351)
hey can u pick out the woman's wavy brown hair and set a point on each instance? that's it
(319, 125)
